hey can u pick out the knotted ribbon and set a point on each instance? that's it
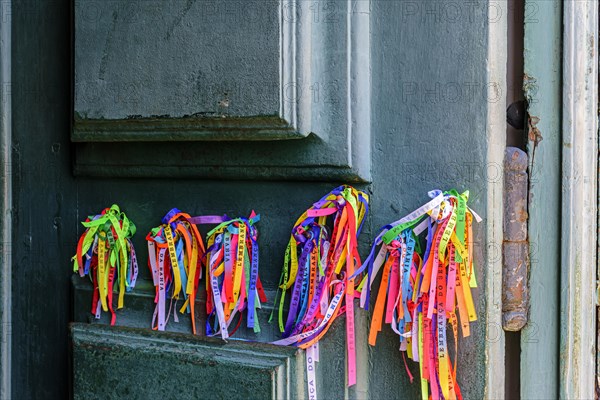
(175, 258)
(319, 269)
(105, 253)
(420, 292)
(232, 280)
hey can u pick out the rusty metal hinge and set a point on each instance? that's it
(515, 247)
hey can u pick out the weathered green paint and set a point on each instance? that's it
(495, 147)
(184, 129)
(579, 200)
(139, 306)
(421, 132)
(44, 198)
(110, 363)
(6, 204)
(305, 160)
(330, 370)
(209, 58)
(542, 86)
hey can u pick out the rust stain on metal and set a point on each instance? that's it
(515, 248)
(522, 215)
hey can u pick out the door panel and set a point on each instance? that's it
(138, 59)
(142, 364)
(223, 71)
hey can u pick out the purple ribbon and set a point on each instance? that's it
(296, 292)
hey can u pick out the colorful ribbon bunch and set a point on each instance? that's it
(420, 294)
(109, 254)
(319, 264)
(232, 281)
(175, 257)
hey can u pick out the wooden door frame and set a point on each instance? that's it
(5, 202)
(561, 81)
(496, 144)
(579, 200)
(543, 89)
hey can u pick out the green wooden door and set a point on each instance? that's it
(223, 107)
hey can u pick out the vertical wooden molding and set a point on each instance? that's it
(358, 32)
(359, 86)
(288, 24)
(496, 144)
(579, 199)
(6, 219)
(542, 87)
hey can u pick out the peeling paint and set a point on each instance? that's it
(530, 87)
(534, 132)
